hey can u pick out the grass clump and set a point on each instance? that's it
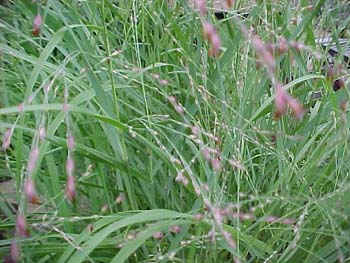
(145, 131)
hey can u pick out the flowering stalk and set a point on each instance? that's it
(6, 139)
(70, 186)
(37, 25)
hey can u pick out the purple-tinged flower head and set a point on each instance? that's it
(172, 99)
(179, 178)
(175, 229)
(70, 166)
(281, 101)
(229, 239)
(20, 107)
(37, 25)
(297, 45)
(158, 235)
(263, 52)
(33, 157)
(197, 190)
(70, 188)
(215, 45)
(65, 107)
(163, 82)
(104, 209)
(70, 142)
(179, 109)
(120, 198)
(211, 235)
(198, 217)
(6, 139)
(271, 219)
(31, 98)
(195, 130)
(42, 133)
(14, 252)
(21, 226)
(206, 153)
(215, 162)
(287, 221)
(208, 31)
(29, 189)
(282, 46)
(236, 165)
(200, 4)
(297, 109)
(185, 181)
(131, 236)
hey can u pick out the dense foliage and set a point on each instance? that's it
(129, 135)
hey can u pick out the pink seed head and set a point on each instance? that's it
(281, 101)
(271, 219)
(21, 226)
(208, 30)
(287, 221)
(33, 157)
(42, 133)
(70, 142)
(216, 45)
(229, 239)
(211, 235)
(198, 217)
(7, 139)
(65, 107)
(104, 209)
(131, 236)
(163, 82)
(200, 4)
(172, 99)
(246, 216)
(236, 165)
(20, 107)
(216, 164)
(263, 52)
(197, 191)
(37, 25)
(31, 98)
(195, 130)
(179, 109)
(70, 166)
(206, 153)
(185, 181)
(120, 198)
(156, 76)
(70, 189)
(179, 178)
(297, 109)
(158, 235)
(14, 252)
(175, 229)
(282, 46)
(29, 189)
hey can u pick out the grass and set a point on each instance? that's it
(189, 143)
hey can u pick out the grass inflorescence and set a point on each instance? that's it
(151, 131)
